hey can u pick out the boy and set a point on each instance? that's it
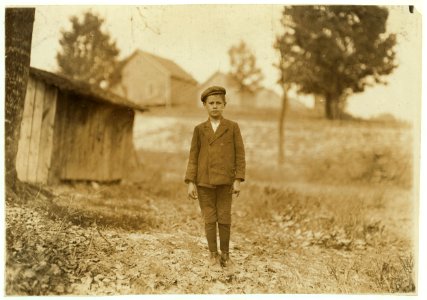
(215, 169)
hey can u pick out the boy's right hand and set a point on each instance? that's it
(192, 191)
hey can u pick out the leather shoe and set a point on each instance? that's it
(214, 261)
(226, 262)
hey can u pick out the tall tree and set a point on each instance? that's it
(243, 68)
(335, 51)
(19, 30)
(282, 117)
(87, 53)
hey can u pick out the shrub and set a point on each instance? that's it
(379, 164)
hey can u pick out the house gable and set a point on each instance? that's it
(174, 69)
(144, 81)
(148, 79)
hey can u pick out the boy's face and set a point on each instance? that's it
(214, 105)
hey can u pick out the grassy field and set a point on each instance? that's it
(338, 217)
(316, 150)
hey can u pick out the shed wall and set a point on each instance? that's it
(92, 139)
(36, 135)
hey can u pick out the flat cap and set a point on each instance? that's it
(213, 90)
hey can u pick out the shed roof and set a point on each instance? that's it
(83, 88)
(175, 70)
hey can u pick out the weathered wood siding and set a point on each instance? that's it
(35, 142)
(92, 139)
(183, 92)
(65, 136)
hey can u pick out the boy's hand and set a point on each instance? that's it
(192, 191)
(236, 187)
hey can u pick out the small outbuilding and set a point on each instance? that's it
(72, 131)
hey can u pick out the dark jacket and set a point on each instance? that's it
(216, 158)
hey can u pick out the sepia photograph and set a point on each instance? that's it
(212, 149)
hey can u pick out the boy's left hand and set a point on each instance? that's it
(236, 187)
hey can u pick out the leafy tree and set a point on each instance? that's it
(19, 30)
(335, 51)
(87, 53)
(243, 68)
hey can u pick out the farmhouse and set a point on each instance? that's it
(261, 98)
(148, 79)
(72, 131)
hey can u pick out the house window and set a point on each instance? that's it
(150, 89)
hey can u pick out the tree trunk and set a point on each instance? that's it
(19, 30)
(284, 108)
(332, 108)
(319, 107)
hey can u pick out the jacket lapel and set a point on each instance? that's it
(222, 128)
(207, 127)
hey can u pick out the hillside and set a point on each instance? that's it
(338, 217)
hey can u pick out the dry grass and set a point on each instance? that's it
(285, 240)
(336, 218)
(346, 186)
(316, 150)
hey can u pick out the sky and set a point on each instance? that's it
(197, 37)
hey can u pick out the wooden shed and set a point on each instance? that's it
(73, 131)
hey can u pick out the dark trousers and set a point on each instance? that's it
(215, 204)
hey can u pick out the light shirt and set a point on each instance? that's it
(215, 124)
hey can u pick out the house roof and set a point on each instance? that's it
(229, 80)
(83, 88)
(175, 70)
